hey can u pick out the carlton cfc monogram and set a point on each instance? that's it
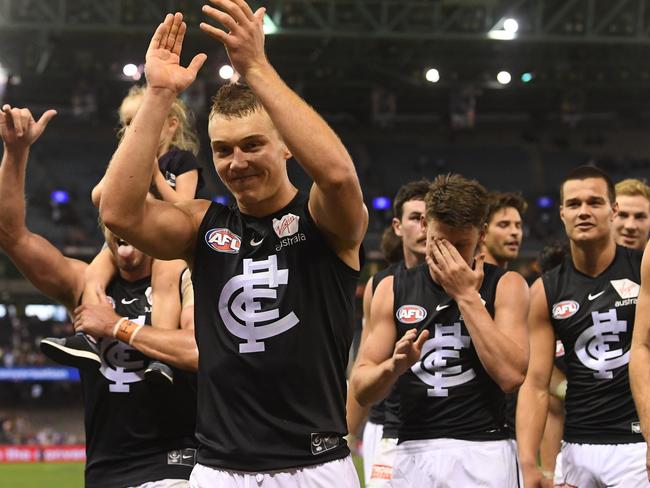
(240, 309)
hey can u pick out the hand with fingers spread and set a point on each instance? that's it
(408, 350)
(97, 320)
(162, 68)
(19, 130)
(452, 272)
(244, 38)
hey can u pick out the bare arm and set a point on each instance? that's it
(185, 186)
(355, 412)
(99, 272)
(532, 403)
(336, 200)
(501, 343)
(160, 229)
(382, 360)
(640, 352)
(39, 261)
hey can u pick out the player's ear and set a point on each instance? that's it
(397, 226)
(614, 211)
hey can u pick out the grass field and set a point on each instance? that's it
(61, 475)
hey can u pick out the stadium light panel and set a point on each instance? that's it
(130, 70)
(226, 72)
(60, 197)
(504, 77)
(510, 25)
(432, 75)
(381, 203)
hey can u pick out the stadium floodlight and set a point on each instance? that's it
(527, 77)
(504, 77)
(222, 199)
(510, 25)
(130, 70)
(60, 197)
(381, 203)
(226, 72)
(269, 26)
(432, 75)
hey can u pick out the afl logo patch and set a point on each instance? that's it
(223, 240)
(565, 309)
(411, 314)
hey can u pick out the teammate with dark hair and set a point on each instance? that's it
(588, 302)
(380, 431)
(451, 334)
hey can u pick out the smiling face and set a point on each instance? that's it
(249, 156)
(632, 222)
(503, 235)
(586, 210)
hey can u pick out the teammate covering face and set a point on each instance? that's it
(588, 302)
(451, 334)
(276, 273)
(632, 221)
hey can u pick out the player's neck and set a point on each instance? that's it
(490, 259)
(592, 258)
(412, 259)
(277, 201)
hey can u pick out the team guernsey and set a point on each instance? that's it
(135, 432)
(273, 320)
(447, 393)
(378, 412)
(593, 317)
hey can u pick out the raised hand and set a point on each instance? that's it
(19, 130)
(451, 271)
(408, 350)
(162, 67)
(244, 39)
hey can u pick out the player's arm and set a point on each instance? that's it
(501, 343)
(355, 412)
(160, 229)
(336, 200)
(532, 402)
(185, 189)
(99, 273)
(175, 347)
(39, 261)
(382, 360)
(640, 352)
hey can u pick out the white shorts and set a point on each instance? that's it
(602, 465)
(513, 447)
(452, 463)
(369, 444)
(165, 484)
(334, 474)
(382, 468)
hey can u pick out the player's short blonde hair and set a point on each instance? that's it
(633, 187)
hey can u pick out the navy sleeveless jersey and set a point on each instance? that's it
(377, 414)
(135, 432)
(447, 393)
(274, 314)
(594, 317)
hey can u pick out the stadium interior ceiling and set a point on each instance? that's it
(578, 90)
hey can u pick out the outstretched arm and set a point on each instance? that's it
(532, 403)
(640, 355)
(336, 200)
(160, 229)
(39, 261)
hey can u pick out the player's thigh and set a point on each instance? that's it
(626, 466)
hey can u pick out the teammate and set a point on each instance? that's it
(458, 344)
(588, 302)
(135, 435)
(632, 221)
(408, 210)
(503, 229)
(274, 276)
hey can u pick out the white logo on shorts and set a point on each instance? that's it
(432, 368)
(593, 345)
(241, 310)
(118, 364)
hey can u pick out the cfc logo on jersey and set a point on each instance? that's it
(411, 314)
(565, 309)
(223, 240)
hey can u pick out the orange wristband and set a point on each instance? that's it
(126, 330)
